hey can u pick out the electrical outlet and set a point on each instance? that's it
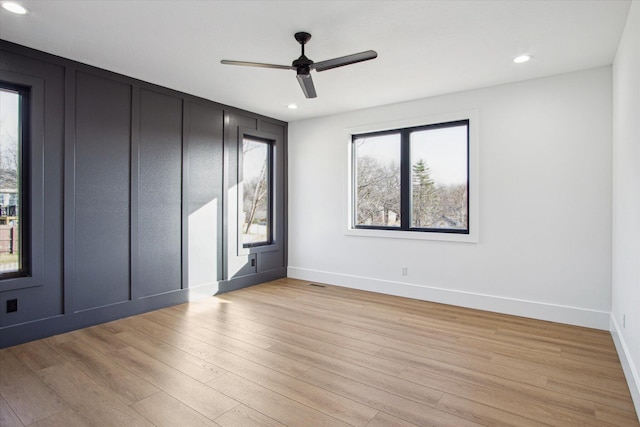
(404, 271)
(253, 262)
(12, 305)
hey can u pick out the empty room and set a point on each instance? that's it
(319, 213)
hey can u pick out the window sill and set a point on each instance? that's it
(413, 235)
(272, 247)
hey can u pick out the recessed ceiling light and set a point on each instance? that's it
(522, 58)
(15, 8)
(292, 106)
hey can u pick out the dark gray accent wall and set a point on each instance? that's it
(46, 81)
(204, 179)
(102, 177)
(133, 204)
(160, 194)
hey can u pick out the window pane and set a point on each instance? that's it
(439, 178)
(9, 181)
(255, 190)
(377, 180)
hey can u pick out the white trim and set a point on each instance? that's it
(630, 370)
(411, 235)
(517, 307)
(474, 177)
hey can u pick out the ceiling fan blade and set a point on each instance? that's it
(257, 64)
(307, 85)
(344, 60)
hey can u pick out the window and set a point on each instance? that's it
(412, 179)
(377, 179)
(256, 197)
(13, 180)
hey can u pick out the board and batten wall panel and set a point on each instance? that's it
(102, 177)
(39, 294)
(159, 194)
(131, 211)
(204, 136)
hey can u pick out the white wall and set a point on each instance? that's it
(626, 201)
(544, 247)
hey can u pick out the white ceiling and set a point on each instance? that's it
(425, 48)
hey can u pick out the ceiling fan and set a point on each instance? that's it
(304, 65)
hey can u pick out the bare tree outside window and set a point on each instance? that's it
(412, 179)
(255, 192)
(377, 180)
(9, 181)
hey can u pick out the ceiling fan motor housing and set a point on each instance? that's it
(302, 65)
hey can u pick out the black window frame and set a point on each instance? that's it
(24, 193)
(405, 178)
(270, 190)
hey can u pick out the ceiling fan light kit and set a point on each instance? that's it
(304, 65)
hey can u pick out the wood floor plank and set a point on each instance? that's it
(574, 374)
(375, 362)
(58, 339)
(513, 387)
(317, 398)
(194, 393)
(182, 361)
(29, 398)
(235, 318)
(521, 350)
(248, 351)
(8, 418)
(165, 411)
(288, 334)
(68, 418)
(97, 404)
(393, 404)
(243, 416)
(483, 414)
(567, 343)
(271, 403)
(289, 321)
(37, 355)
(615, 416)
(421, 345)
(385, 420)
(390, 383)
(504, 400)
(213, 335)
(104, 370)
(449, 362)
(185, 342)
(223, 328)
(288, 353)
(297, 314)
(99, 338)
(621, 401)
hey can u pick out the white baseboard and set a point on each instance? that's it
(532, 309)
(630, 370)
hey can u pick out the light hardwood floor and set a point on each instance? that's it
(291, 353)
